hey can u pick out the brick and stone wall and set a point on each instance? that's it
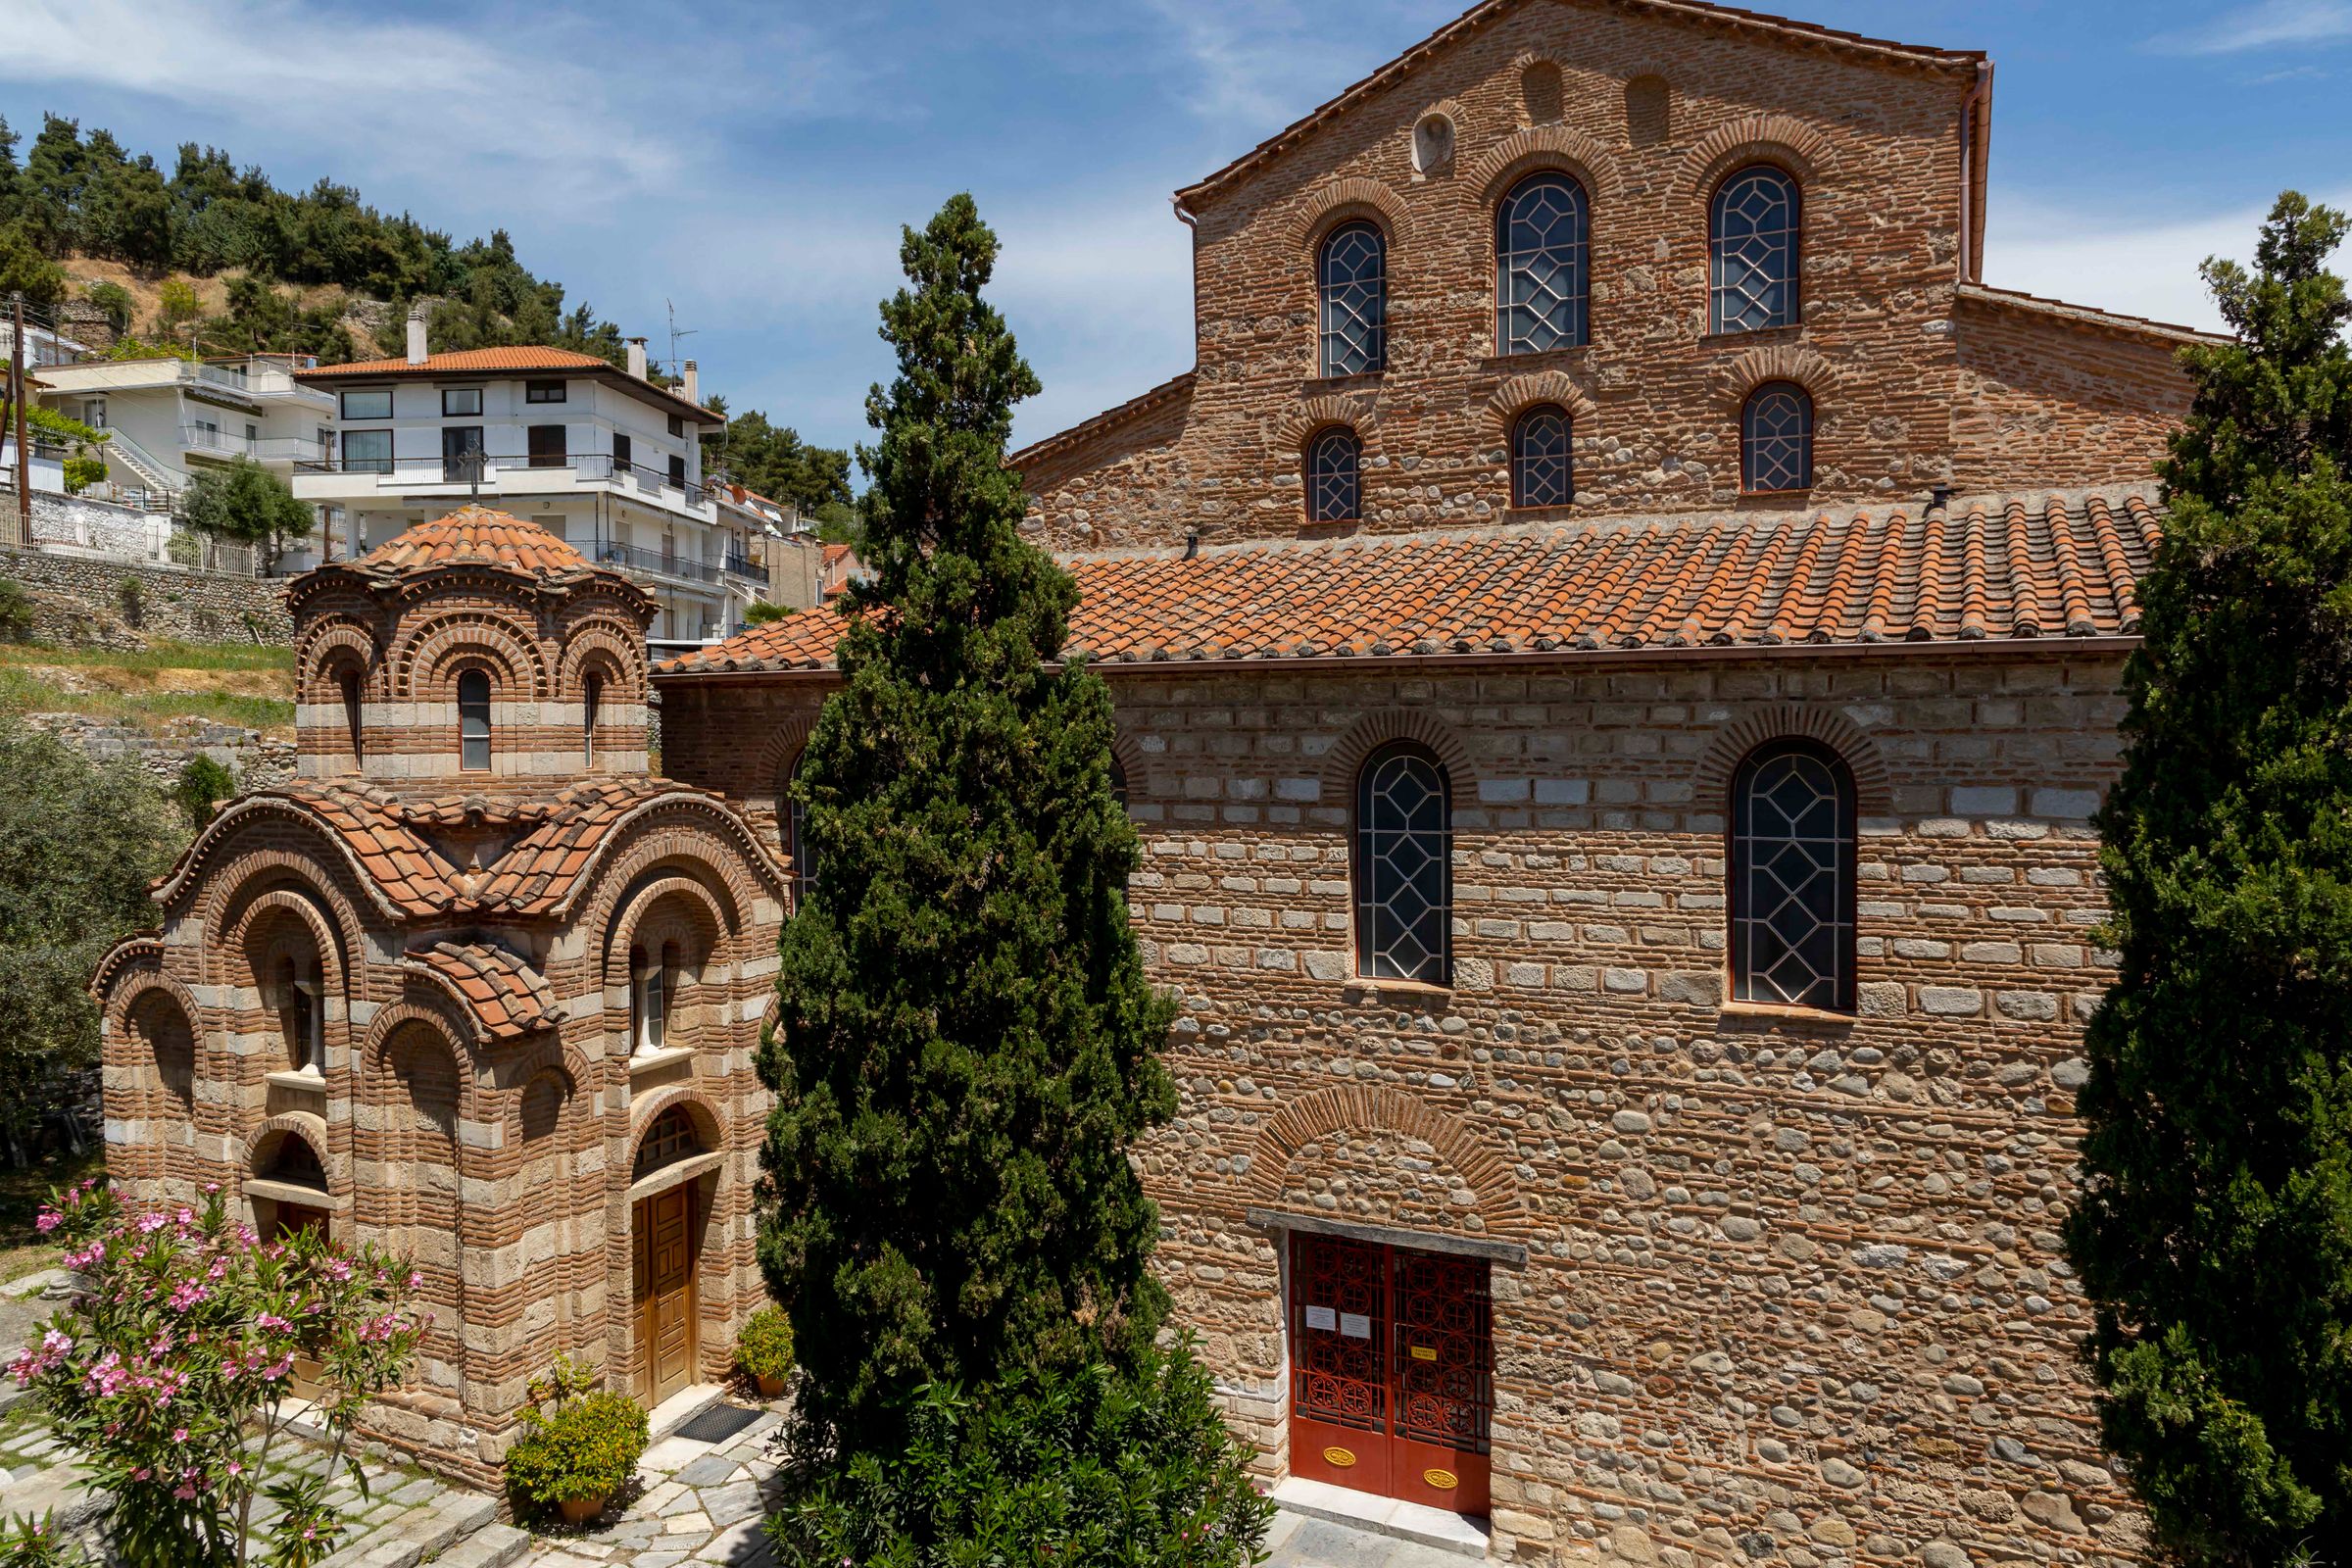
(1793, 1288)
(1911, 390)
(173, 602)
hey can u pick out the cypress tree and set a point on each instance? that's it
(965, 1047)
(2215, 1233)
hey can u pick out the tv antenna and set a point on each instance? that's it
(675, 332)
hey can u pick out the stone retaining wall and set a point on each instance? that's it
(173, 601)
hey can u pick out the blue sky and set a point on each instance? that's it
(752, 162)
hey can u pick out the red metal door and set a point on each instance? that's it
(1393, 1371)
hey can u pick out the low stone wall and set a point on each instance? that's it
(173, 601)
(257, 761)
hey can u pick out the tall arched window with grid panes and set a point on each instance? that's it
(1403, 869)
(1352, 275)
(1754, 224)
(1792, 877)
(1775, 439)
(1541, 258)
(1335, 460)
(1542, 471)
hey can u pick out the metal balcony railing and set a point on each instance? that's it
(636, 557)
(479, 466)
(267, 449)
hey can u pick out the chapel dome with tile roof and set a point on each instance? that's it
(477, 650)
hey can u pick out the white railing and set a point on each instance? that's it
(141, 537)
(264, 448)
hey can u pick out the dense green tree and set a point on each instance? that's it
(56, 171)
(2215, 1232)
(245, 502)
(775, 461)
(967, 1046)
(79, 842)
(125, 212)
(11, 179)
(25, 269)
(115, 301)
(260, 318)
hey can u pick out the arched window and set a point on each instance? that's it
(295, 1161)
(348, 682)
(542, 1107)
(1403, 866)
(1775, 439)
(302, 1014)
(1541, 473)
(1540, 266)
(649, 1001)
(1334, 473)
(671, 1138)
(1351, 273)
(1754, 223)
(592, 698)
(473, 720)
(1118, 782)
(795, 833)
(1792, 877)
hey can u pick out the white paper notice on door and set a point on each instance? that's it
(1322, 1317)
(1355, 1326)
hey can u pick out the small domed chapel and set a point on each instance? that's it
(475, 986)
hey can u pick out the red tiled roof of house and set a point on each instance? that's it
(2040, 566)
(507, 996)
(465, 361)
(475, 536)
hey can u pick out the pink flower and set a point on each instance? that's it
(50, 1219)
(179, 1434)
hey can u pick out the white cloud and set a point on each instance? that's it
(569, 120)
(2265, 24)
(2146, 268)
(1252, 58)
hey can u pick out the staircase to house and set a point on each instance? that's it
(162, 486)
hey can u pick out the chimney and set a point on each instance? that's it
(415, 334)
(637, 358)
(694, 385)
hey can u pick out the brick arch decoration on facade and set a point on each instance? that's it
(297, 901)
(1131, 762)
(714, 926)
(312, 1129)
(428, 656)
(1536, 75)
(1519, 393)
(1455, 116)
(1532, 149)
(1711, 779)
(601, 644)
(687, 827)
(129, 981)
(1356, 413)
(1483, 1165)
(1351, 197)
(454, 1031)
(1375, 730)
(708, 1126)
(1779, 139)
(331, 645)
(233, 874)
(1739, 376)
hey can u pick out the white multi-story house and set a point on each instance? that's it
(602, 458)
(170, 418)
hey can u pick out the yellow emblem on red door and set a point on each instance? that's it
(1443, 1480)
(1339, 1457)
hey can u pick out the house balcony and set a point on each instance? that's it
(495, 478)
(636, 560)
(280, 451)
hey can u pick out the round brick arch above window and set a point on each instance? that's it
(1541, 147)
(1346, 200)
(1483, 1167)
(1711, 780)
(1375, 730)
(1781, 139)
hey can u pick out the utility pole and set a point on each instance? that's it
(16, 391)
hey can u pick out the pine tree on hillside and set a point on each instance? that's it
(2214, 1234)
(967, 1046)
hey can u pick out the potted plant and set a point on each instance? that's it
(580, 1444)
(763, 1349)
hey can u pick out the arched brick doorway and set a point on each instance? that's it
(666, 1210)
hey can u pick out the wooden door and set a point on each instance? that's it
(546, 443)
(667, 1329)
(290, 1219)
(1393, 1371)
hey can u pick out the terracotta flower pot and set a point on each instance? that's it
(769, 1388)
(579, 1510)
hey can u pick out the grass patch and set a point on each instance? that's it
(22, 1249)
(19, 689)
(161, 656)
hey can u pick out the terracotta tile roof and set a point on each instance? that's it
(2041, 566)
(539, 871)
(465, 361)
(507, 996)
(1479, 16)
(477, 536)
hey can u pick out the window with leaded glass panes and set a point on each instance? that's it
(1792, 877)
(1335, 460)
(1775, 439)
(1541, 470)
(1539, 264)
(671, 1138)
(1754, 223)
(1403, 866)
(1351, 278)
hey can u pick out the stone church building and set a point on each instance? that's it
(475, 986)
(1617, 644)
